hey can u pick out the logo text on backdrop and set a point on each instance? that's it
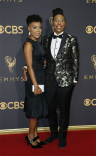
(11, 29)
(12, 105)
(11, 79)
(10, 0)
(90, 1)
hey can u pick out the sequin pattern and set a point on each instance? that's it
(66, 65)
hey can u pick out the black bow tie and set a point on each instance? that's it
(54, 36)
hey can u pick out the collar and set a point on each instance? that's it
(59, 34)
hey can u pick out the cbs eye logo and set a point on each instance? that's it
(88, 102)
(3, 105)
(89, 29)
(11, 29)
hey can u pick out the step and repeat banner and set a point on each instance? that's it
(81, 22)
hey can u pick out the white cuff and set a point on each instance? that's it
(25, 67)
(75, 81)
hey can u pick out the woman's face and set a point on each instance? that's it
(35, 30)
(59, 24)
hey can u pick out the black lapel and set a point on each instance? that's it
(62, 42)
(49, 43)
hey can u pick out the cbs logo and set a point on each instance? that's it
(11, 29)
(12, 105)
(11, 0)
(88, 102)
(90, 1)
(89, 29)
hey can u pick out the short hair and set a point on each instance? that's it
(33, 18)
(58, 11)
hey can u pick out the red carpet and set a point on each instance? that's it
(79, 143)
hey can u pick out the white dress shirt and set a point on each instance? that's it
(55, 45)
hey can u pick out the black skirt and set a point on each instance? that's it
(35, 107)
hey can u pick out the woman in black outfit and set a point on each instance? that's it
(35, 103)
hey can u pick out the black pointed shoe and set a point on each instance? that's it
(62, 142)
(41, 142)
(31, 141)
(51, 138)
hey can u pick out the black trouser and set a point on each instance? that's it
(58, 96)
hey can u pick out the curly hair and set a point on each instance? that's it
(33, 18)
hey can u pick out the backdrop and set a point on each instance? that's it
(81, 22)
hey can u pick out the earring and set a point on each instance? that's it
(29, 33)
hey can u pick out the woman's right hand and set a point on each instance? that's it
(37, 90)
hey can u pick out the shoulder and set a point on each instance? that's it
(28, 45)
(28, 42)
(71, 37)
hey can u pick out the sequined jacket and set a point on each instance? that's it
(66, 65)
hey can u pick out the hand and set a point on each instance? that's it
(37, 90)
(24, 74)
(44, 63)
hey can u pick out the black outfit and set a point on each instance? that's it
(60, 74)
(35, 105)
(58, 97)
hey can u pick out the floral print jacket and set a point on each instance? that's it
(66, 65)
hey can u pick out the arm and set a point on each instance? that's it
(25, 70)
(75, 53)
(24, 73)
(28, 58)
